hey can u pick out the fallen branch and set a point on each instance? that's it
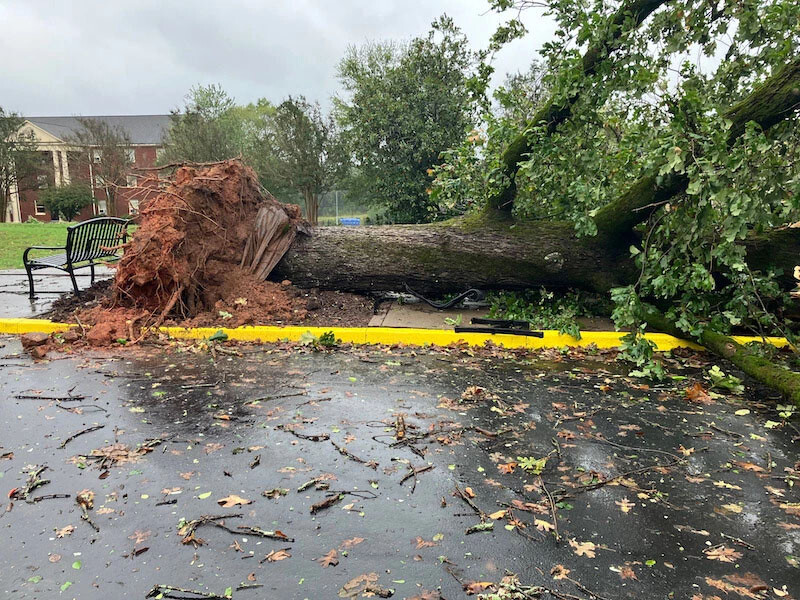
(190, 527)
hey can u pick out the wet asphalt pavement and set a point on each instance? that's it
(654, 496)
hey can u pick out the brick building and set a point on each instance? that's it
(63, 163)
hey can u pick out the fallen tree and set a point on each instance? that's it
(491, 251)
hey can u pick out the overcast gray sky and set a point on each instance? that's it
(84, 57)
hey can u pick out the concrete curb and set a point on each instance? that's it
(391, 335)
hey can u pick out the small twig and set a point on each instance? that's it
(721, 430)
(738, 541)
(413, 472)
(552, 509)
(345, 452)
(321, 437)
(164, 590)
(54, 398)
(80, 433)
(459, 493)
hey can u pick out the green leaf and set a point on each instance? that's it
(218, 336)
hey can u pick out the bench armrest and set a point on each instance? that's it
(25, 254)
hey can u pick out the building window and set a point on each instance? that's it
(41, 182)
(102, 207)
(40, 208)
(131, 154)
(97, 156)
(98, 181)
(133, 206)
(132, 181)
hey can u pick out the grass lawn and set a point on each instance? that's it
(15, 237)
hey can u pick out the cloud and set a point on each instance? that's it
(100, 57)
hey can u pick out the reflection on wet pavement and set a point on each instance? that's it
(294, 474)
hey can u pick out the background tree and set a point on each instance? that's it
(210, 127)
(300, 153)
(17, 160)
(403, 105)
(67, 200)
(106, 150)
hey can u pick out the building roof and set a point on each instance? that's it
(142, 129)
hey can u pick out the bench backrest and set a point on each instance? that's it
(95, 238)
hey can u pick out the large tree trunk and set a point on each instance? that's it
(487, 254)
(451, 256)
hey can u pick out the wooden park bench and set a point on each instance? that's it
(88, 243)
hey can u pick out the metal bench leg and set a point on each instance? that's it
(30, 281)
(91, 268)
(72, 276)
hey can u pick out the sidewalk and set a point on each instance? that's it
(14, 301)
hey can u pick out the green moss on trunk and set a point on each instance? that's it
(759, 368)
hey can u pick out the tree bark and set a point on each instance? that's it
(449, 257)
(554, 112)
(481, 252)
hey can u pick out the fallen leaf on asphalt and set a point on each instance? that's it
(347, 544)
(213, 447)
(354, 587)
(139, 536)
(626, 572)
(559, 572)
(542, 525)
(422, 543)
(507, 467)
(586, 549)
(65, 531)
(498, 514)
(625, 505)
(477, 586)
(233, 500)
(697, 394)
(748, 466)
(85, 499)
(276, 555)
(734, 508)
(329, 560)
(722, 554)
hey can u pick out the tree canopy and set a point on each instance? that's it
(402, 105)
(657, 107)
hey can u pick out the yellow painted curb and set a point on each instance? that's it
(393, 335)
(19, 326)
